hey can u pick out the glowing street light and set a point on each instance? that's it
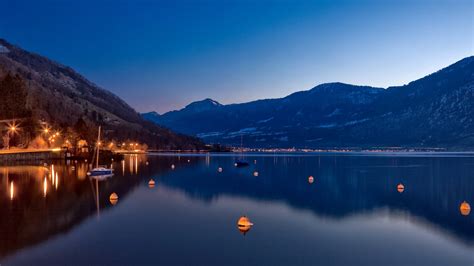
(46, 129)
(13, 128)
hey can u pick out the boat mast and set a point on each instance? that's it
(98, 148)
(241, 145)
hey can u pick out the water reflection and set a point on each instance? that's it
(348, 186)
(45, 201)
(433, 194)
(12, 190)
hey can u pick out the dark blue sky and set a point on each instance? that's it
(161, 55)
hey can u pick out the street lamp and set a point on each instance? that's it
(12, 129)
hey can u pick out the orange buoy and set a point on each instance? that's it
(311, 179)
(400, 188)
(255, 173)
(113, 198)
(465, 208)
(244, 224)
(151, 183)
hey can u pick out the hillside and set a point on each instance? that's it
(43, 90)
(434, 111)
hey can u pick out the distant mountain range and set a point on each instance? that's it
(434, 111)
(60, 96)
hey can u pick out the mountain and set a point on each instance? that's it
(35, 88)
(434, 111)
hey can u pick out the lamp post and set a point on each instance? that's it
(12, 129)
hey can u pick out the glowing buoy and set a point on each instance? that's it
(255, 161)
(311, 179)
(45, 164)
(85, 160)
(113, 198)
(151, 183)
(172, 166)
(146, 163)
(465, 208)
(189, 161)
(235, 164)
(400, 188)
(244, 224)
(255, 173)
(219, 169)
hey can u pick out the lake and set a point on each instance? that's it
(352, 212)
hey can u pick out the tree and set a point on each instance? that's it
(13, 93)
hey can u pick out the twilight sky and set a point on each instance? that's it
(161, 55)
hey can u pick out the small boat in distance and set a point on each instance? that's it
(241, 162)
(100, 173)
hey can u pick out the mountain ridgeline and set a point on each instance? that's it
(35, 88)
(434, 111)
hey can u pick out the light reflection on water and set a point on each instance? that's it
(352, 212)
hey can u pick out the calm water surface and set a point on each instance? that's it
(352, 214)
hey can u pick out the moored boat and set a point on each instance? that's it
(100, 172)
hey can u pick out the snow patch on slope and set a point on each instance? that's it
(3, 49)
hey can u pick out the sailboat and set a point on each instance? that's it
(240, 162)
(100, 172)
